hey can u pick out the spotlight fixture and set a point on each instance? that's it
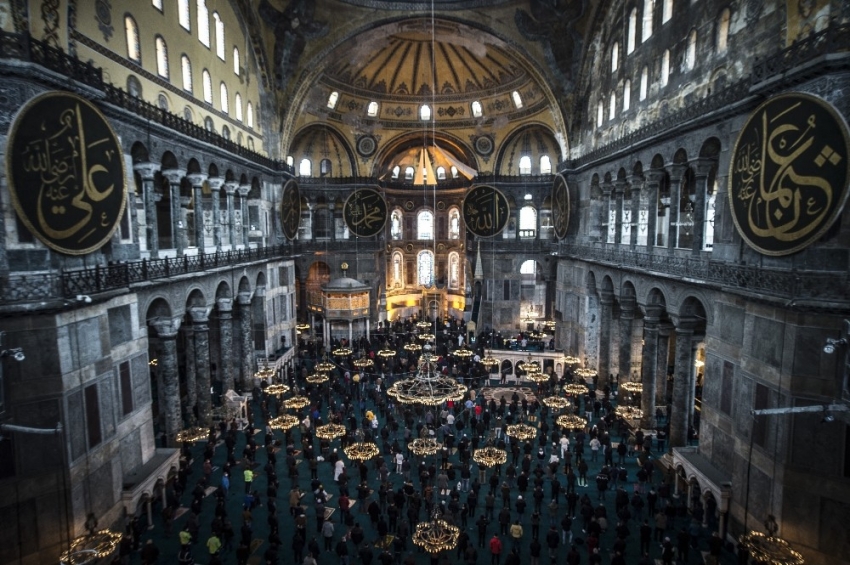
(832, 344)
(828, 418)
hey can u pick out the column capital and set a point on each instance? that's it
(677, 171)
(607, 187)
(224, 305)
(636, 181)
(664, 329)
(174, 176)
(702, 166)
(686, 325)
(621, 185)
(146, 170)
(200, 315)
(230, 187)
(166, 328)
(627, 305)
(653, 176)
(243, 299)
(244, 189)
(606, 297)
(653, 314)
(197, 179)
(215, 183)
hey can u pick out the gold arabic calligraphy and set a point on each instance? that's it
(485, 211)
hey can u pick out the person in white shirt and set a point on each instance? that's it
(450, 419)
(565, 446)
(399, 461)
(339, 469)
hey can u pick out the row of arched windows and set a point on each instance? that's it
(162, 69)
(425, 270)
(425, 223)
(373, 107)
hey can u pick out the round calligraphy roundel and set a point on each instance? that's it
(788, 175)
(290, 209)
(485, 211)
(365, 212)
(561, 206)
(66, 173)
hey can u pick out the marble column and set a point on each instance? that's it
(147, 171)
(197, 180)
(664, 330)
(627, 316)
(648, 366)
(230, 190)
(215, 186)
(168, 380)
(676, 174)
(175, 176)
(246, 361)
(610, 211)
(619, 192)
(201, 328)
(681, 381)
(636, 182)
(606, 303)
(244, 189)
(702, 169)
(191, 386)
(653, 179)
(225, 324)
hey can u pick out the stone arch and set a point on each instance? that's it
(193, 167)
(637, 168)
(244, 285)
(139, 153)
(169, 161)
(710, 148)
(657, 162)
(223, 290)
(212, 170)
(680, 157)
(534, 140)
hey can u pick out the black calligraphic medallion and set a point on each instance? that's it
(561, 206)
(789, 172)
(66, 173)
(365, 212)
(485, 211)
(290, 209)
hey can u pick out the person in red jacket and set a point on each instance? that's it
(495, 550)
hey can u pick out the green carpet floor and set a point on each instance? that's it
(169, 544)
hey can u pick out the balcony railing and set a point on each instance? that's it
(833, 39)
(821, 286)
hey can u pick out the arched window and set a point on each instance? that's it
(425, 112)
(225, 100)
(525, 165)
(691, 53)
(187, 115)
(425, 225)
(454, 223)
(408, 173)
(134, 87)
(237, 100)
(131, 33)
(723, 30)
(600, 114)
(644, 82)
(665, 67)
(612, 107)
(545, 165)
(395, 225)
(627, 95)
(398, 273)
(372, 109)
(237, 69)
(250, 116)
(162, 102)
(454, 172)
(396, 171)
(324, 167)
(225, 133)
(208, 124)
(250, 143)
(667, 11)
(631, 39)
(161, 57)
(183, 15)
(517, 99)
(305, 168)
(528, 268)
(527, 221)
(441, 173)
(186, 67)
(615, 57)
(207, 86)
(648, 9)
(290, 160)
(203, 22)
(454, 270)
(476, 109)
(219, 36)
(332, 99)
(425, 268)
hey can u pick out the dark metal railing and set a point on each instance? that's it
(782, 283)
(833, 39)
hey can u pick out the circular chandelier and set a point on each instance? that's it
(88, 549)
(264, 373)
(529, 366)
(556, 402)
(324, 365)
(192, 435)
(770, 550)
(522, 432)
(330, 431)
(423, 446)
(463, 353)
(342, 352)
(571, 360)
(632, 387)
(423, 325)
(426, 337)
(530, 315)
(283, 422)
(537, 377)
(412, 347)
(575, 389)
(296, 402)
(586, 373)
(361, 450)
(386, 353)
(363, 363)
(549, 324)
(302, 327)
(489, 360)
(536, 335)
(436, 535)
(490, 456)
(318, 378)
(277, 389)
(628, 412)
(571, 422)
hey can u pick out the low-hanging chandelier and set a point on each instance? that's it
(436, 535)
(89, 549)
(522, 432)
(361, 450)
(296, 402)
(556, 402)
(427, 387)
(423, 447)
(330, 431)
(283, 422)
(277, 389)
(490, 456)
(575, 389)
(571, 422)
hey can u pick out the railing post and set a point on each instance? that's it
(97, 277)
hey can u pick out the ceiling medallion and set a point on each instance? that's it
(366, 145)
(483, 145)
